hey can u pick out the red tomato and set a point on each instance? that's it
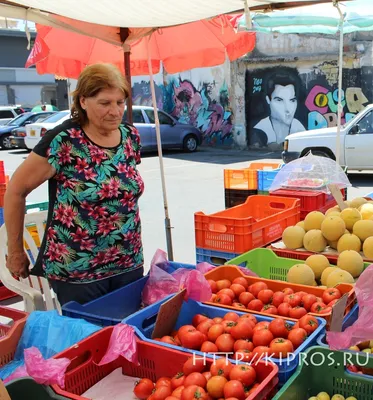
(193, 364)
(297, 336)
(225, 343)
(281, 347)
(164, 381)
(198, 318)
(213, 297)
(239, 305)
(221, 367)
(170, 398)
(308, 323)
(242, 330)
(259, 353)
(262, 337)
(287, 291)
(241, 281)
(161, 393)
(177, 340)
(217, 320)
(228, 325)
(255, 305)
(223, 299)
(177, 380)
(195, 378)
(245, 298)
(243, 345)
(231, 316)
(330, 295)
(215, 386)
(265, 296)
(194, 392)
(235, 389)
(177, 392)
(228, 292)
(255, 288)
(250, 318)
(223, 284)
(207, 375)
(317, 307)
(168, 340)
(279, 328)
(297, 312)
(215, 331)
(301, 293)
(278, 298)
(244, 373)
(283, 309)
(261, 325)
(213, 285)
(269, 309)
(308, 300)
(237, 289)
(204, 326)
(293, 299)
(185, 329)
(242, 355)
(192, 339)
(209, 347)
(325, 310)
(331, 304)
(143, 388)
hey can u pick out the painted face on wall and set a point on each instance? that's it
(283, 103)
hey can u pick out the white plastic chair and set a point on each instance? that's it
(36, 292)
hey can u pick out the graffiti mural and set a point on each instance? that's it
(141, 95)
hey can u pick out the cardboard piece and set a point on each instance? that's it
(168, 314)
(4, 395)
(334, 189)
(338, 313)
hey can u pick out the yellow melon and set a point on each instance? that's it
(325, 275)
(339, 276)
(314, 241)
(300, 274)
(358, 202)
(318, 264)
(350, 216)
(301, 224)
(352, 262)
(333, 210)
(293, 237)
(349, 242)
(363, 229)
(333, 228)
(366, 211)
(313, 220)
(368, 248)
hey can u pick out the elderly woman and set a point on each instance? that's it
(92, 243)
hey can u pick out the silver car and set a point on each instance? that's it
(174, 135)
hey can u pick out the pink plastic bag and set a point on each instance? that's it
(161, 284)
(44, 372)
(122, 343)
(362, 329)
(205, 267)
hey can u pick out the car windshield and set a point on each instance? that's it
(56, 117)
(355, 118)
(17, 121)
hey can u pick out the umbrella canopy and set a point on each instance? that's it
(45, 107)
(203, 43)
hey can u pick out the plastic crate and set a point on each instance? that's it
(348, 320)
(213, 257)
(10, 334)
(256, 223)
(232, 272)
(113, 307)
(27, 388)
(263, 192)
(155, 362)
(144, 322)
(331, 377)
(2, 193)
(5, 293)
(369, 195)
(236, 197)
(266, 178)
(1, 216)
(246, 178)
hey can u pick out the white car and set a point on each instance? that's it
(8, 113)
(34, 132)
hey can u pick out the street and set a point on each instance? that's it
(194, 182)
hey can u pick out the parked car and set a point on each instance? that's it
(34, 132)
(173, 133)
(8, 113)
(356, 142)
(17, 127)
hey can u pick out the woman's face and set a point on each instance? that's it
(106, 109)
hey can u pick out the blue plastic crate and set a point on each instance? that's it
(1, 216)
(266, 178)
(348, 320)
(214, 257)
(113, 307)
(144, 321)
(370, 195)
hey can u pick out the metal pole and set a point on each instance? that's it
(124, 32)
(160, 157)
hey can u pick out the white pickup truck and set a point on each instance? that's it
(356, 139)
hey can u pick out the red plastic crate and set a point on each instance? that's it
(5, 293)
(10, 335)
(155, 361)
(2, 193)
(256, 223)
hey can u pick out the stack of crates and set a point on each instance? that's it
(239, 184)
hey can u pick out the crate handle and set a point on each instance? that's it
(149, 321)
(79, 360)
(277, 205)
(219, 228)
(218, 260)
(238, 175)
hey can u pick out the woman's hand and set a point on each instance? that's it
(18, 264)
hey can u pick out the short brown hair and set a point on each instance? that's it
(92, 80)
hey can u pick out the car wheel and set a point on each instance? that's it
(5, 142)
(190, 143)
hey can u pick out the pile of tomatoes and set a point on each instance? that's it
(222, 380)
(243, 337)
(258, 297)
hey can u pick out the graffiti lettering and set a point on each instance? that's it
(257, 88)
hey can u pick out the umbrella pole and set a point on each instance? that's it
(124, 32)
(168, 226)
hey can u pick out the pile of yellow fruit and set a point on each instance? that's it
(348, 230)
(325, 396)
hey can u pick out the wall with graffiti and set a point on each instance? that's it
(280, 100)
(198, 97)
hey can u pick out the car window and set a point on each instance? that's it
(56, 117)
(6, 114)
(366, 123)
(19, 111)
(19, 119)
(137, 117)
(163, 118)
(40, 117)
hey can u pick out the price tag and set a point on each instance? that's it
(334, 189)
(168, 314)
(338, 313)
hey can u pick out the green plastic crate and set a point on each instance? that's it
(266, 264)
(331, 376)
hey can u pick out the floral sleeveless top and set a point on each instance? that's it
(93, 229)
